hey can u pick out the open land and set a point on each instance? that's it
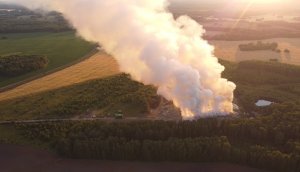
(98, 66)
(262, 137)
(60, 48)
(229, 50)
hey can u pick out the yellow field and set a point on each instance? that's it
(229, 50)
(98, 66)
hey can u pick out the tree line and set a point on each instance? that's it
(15, 65)
(258, 46)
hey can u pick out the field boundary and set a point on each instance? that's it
(17, 84)
(103, 119)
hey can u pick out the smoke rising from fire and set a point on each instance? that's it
(153, 48)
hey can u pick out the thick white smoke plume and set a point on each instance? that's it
(154, 48)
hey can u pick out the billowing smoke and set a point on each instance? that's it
(153, 48)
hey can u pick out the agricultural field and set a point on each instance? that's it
(229, 50)
(98, 66)
(60, 48)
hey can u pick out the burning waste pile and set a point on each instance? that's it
(153, 48)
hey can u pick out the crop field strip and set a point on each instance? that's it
(98, 66)
(41, 75)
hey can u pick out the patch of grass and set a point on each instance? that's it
(60, 48)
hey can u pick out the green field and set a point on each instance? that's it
(60, 48)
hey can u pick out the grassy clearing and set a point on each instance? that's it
(60, 48)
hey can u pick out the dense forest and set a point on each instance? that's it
(270, 142)
(15, 65)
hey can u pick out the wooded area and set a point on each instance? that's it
(106, 95)
(268, 142)
(15, 65)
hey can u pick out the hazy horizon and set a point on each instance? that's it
(266, 4)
